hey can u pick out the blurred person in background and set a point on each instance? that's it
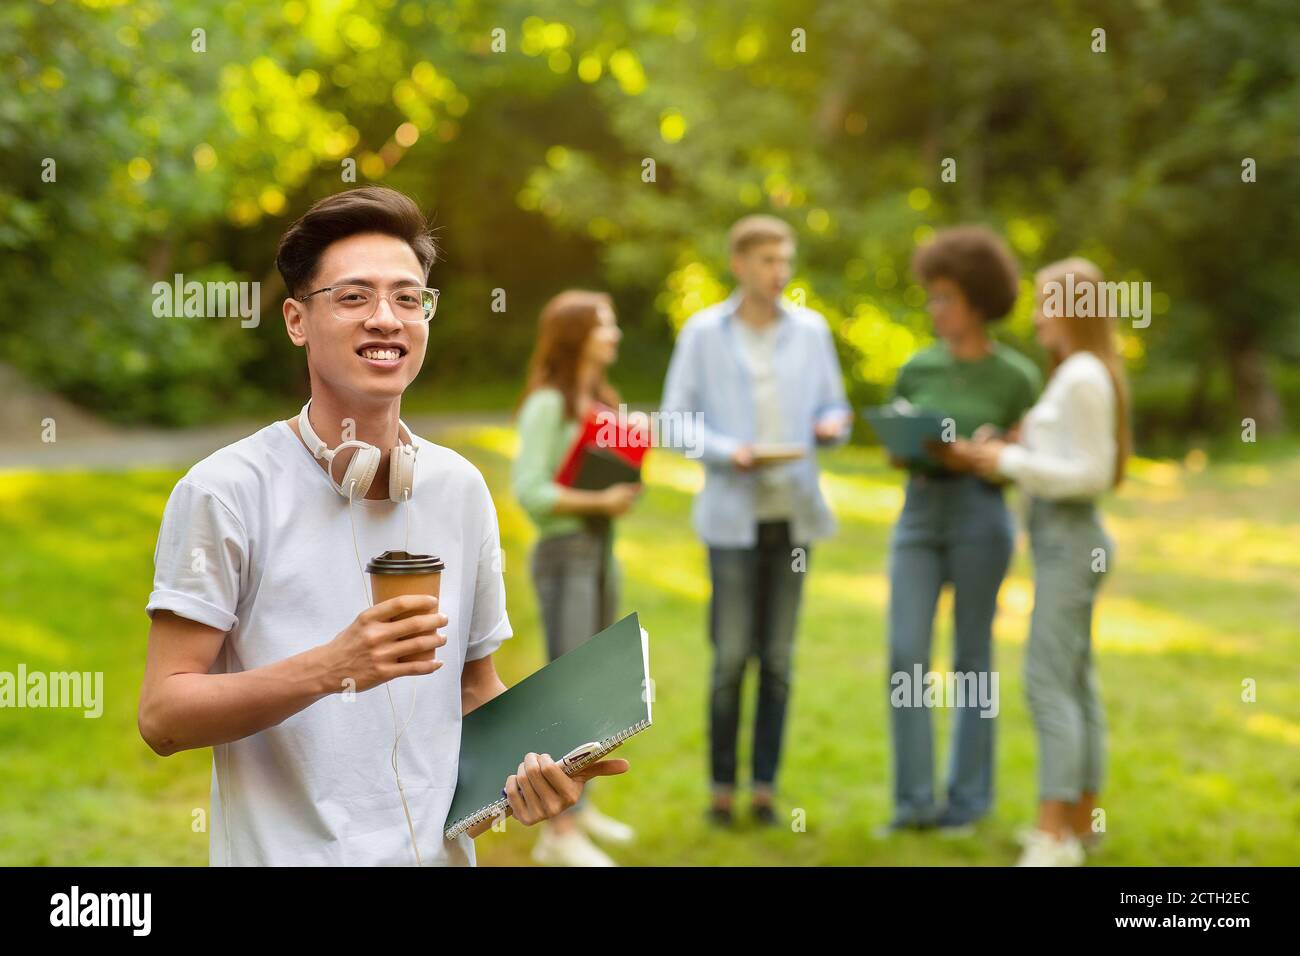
(954, 527)
(1071, 450)
(573, 567)
(756, 370)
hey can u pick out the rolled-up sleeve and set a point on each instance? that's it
(489, 625)
(200, 558)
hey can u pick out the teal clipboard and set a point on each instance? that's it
(904, 431)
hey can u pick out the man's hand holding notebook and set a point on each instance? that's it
(540, 789)
(581, 706)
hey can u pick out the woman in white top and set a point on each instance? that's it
(1072, 448)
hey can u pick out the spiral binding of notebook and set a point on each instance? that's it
(498, 807)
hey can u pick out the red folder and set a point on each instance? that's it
(603, 430)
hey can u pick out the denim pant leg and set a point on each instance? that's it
(566, 573)
(731, 631)
(1094, 725)
(780, 586)
(567, 576)
(916, 575)
(979, 552)
(1094, 720)
(1059, 680)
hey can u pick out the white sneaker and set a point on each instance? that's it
(569, 849)
(1043, 849)
(600, 827)
(1091, 842)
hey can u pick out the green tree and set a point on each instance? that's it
(531, 131)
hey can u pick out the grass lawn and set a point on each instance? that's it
(1202, 595)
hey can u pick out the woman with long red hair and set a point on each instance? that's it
(572, 564)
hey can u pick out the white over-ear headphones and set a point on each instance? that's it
(356, 482)
(361, 469)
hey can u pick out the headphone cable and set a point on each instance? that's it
(365, 585)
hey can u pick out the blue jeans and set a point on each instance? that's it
(575, 599)
(567, 574)
(1068, 544)
(753, 613)
(952, 530)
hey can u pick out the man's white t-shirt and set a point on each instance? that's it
(774, 489)
(256, 542)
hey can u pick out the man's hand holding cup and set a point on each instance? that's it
(375, 649)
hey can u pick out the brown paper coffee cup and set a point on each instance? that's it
(394, 573)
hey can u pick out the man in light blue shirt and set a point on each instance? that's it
(760, 378)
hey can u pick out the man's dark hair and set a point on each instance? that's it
(365, 209)
(978, 261)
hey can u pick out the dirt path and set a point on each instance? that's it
(82, 440)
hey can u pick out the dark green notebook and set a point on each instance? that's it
(600, 469)
(600, 692)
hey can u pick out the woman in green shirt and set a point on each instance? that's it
(954, 528)
(572, 563)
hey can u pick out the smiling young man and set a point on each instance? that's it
(263, 645)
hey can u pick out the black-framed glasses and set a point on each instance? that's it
(409, 303)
